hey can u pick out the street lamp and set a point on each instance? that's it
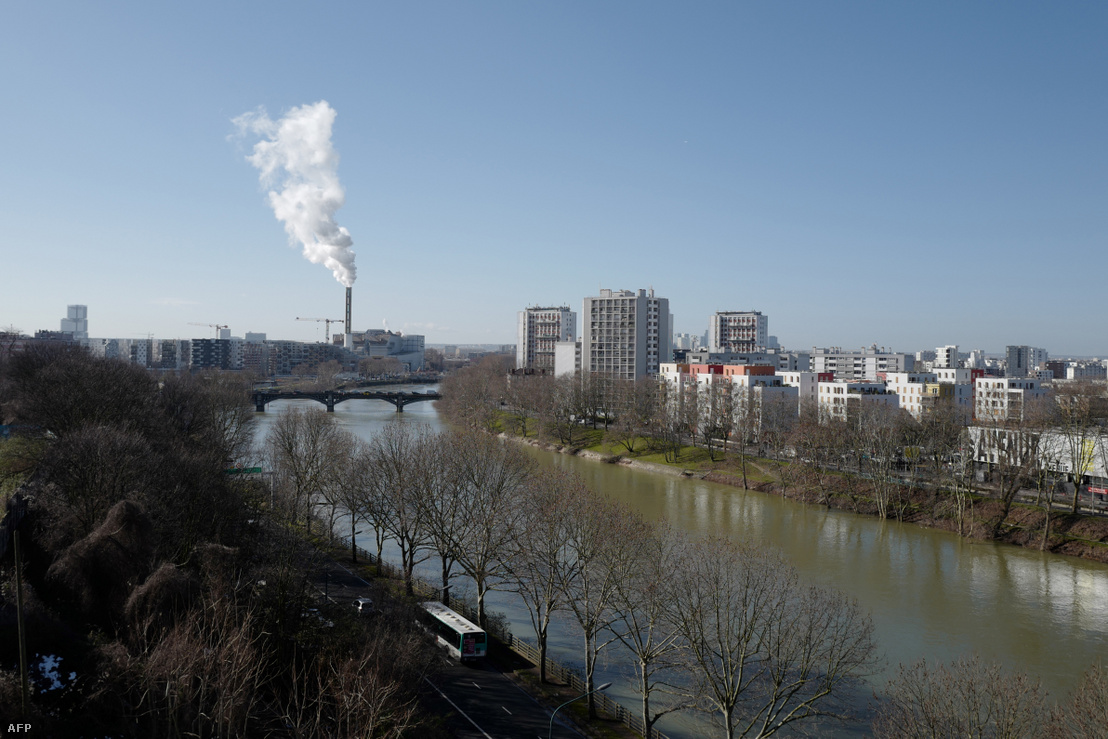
(550, 730)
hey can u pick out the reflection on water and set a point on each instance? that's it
(931, 594)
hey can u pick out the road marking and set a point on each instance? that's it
(507, 711)
(467, 718)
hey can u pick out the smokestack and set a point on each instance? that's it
(348, 340)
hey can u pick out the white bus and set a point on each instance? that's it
(463, 639)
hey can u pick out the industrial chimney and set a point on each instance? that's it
(348, 339)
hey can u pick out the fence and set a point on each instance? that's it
(521, 647)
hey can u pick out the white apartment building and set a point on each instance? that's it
(912, 389)
(844, 400)
(538, 330)
(1004, 398)
(946, 357)
(860, 365)
(806, 383)
(625, 335)
(738, 331)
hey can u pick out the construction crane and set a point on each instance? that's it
(216, 326)
(327, 326)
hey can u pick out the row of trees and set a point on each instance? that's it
(710, 624)
(896, 459)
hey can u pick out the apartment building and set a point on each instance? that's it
(625, 335)
(738, 331)
(912, 389)
(860, 365)
(1021, 360)
(537, 332)
(846, 400)
(1004, 398)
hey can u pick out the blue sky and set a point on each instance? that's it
(906, 174)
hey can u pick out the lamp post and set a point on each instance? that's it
(550, 730)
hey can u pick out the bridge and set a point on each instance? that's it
(331, 398)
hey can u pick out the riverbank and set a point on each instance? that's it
(1073, 535)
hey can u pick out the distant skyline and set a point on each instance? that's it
(910, 175)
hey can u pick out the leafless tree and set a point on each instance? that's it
(1085, 716)
(967, 698)
(1009, 449)
(598, 538)
(717, 419)
(1081, 414)
(528, 398)
(881, 430)
(298, 448)
(642, 608)
(472, 395)
(766, 651)
(491, 477)
(537, 559)
(348, 478)
(444, 506)
(567, 410)
(396, 456)
(635, 404)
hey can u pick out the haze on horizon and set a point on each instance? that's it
(905, 175)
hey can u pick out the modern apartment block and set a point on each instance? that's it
(538, 330)
(738, 331)
(626, 335)
(946, 357)
(1004, 398)
(860, 365)
(76, 321)
(1021, 360)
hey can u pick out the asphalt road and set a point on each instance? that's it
(490, 706)
(486, 704)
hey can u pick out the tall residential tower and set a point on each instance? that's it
(539, 329)
(626, 335)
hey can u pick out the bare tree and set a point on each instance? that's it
(967, 698)
(717, 419)
(537, 559)
(398, 494)
(567, 410)
(641, 608)
(1085, 716)
(444, 505)
(765, 650)
(298, 448)
(347, 483)
(491, 477)
(1009, 449)
(472, 395)
(597, 545)
(635, 404)
(1080, 417)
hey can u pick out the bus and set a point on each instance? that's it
(463, 639)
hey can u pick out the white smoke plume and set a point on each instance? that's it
(297, 152)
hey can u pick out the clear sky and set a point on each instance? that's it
(906, 174)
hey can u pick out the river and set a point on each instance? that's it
(931, 594)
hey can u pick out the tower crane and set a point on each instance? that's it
(216, 326)
(327, 326)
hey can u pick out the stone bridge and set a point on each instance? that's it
(331, 398)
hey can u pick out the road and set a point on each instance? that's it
(486, 703)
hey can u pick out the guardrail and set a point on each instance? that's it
(522, 647)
